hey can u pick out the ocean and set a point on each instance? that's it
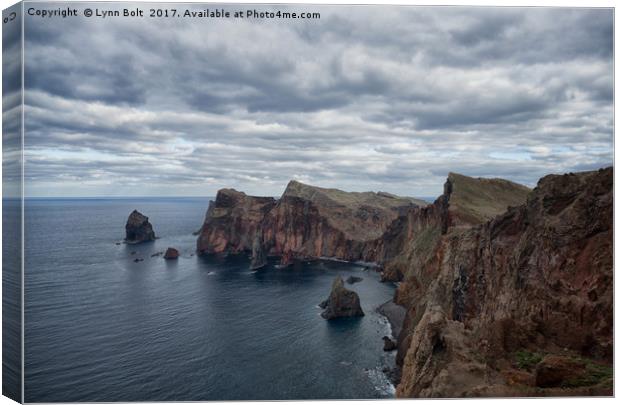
(101, 327)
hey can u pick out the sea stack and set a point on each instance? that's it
(341, 302)
(259, 258)
(171, 254)
(138, 229)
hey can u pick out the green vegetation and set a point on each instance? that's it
(349, 199)
(594, 374)
(422, 248)
(426, 241)
(527, 360)
(476, 200)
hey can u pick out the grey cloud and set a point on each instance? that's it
(389, 98)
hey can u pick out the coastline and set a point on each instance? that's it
(395, 315)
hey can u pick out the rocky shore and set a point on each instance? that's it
(395, 315)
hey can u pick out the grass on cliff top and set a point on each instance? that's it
(527, 360)
(348, 199)
(594, 373)
(476, 200)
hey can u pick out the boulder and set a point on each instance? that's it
(389, 344)
(138, 229)
(171, 254)
(556, 371)
(354, 279)
(341, 302)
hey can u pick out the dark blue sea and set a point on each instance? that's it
(100, 327)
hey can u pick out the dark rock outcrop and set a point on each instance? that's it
(556, 371)
(354, 279)
(341, 302)
(393, 374)
(138, 229)
(171, 254)
(389, 344)
(395, 315)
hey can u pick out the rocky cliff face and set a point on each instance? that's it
(306, 222)
(530, 283)
(232, 222)
(466, 202)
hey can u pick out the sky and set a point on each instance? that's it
(367, 98)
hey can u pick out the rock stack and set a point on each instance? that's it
(341, 302)
(138, 229)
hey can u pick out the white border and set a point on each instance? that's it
(514, 3)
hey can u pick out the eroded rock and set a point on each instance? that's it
(171, 254)
(138, 229)
(389, 344)
(354, 279)
(536, 277)
(556, 371)
(341, 302)
(306, 223)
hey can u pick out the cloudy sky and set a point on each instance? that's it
(366, 98)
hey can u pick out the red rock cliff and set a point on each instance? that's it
(306, 222)
(498, 308)
(232, 222)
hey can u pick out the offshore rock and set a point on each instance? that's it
(389, 344)
(341, 302)
(354, 279)
(138, 229)
(171, 254)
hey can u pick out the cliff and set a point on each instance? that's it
(466, 202)
(232, 222)
(493, 306)
(306, 222)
